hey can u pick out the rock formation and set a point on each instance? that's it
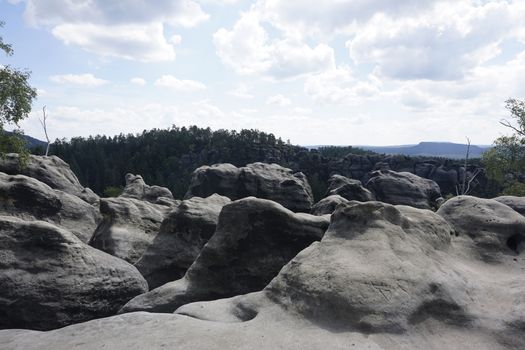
(136, 188)
(30, 199)
(516, 203)
(404, 188)
(267, 181)
(50, 170)
(128, 228)
(490, 228)
(348, 188)
(254, 239)
(181, 237)
(327, 205)
(50, 278)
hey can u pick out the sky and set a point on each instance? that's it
(340, 72)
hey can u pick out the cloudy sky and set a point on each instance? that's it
(375, 72)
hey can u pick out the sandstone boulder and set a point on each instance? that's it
(50, 170)
(30, 199)
(128, 228)
(267, 181)
(136, 188)
(494, 228)
(50, 278)
(181, 237)
(404, 188)
(254, 239)
(348, 188)
(516, 203)
(327, 205)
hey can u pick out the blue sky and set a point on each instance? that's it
(375, 72)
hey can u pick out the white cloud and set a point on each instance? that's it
(79, 79)
(122, 29)
(248, 49)
(135, 42)
(241, 91)
(138, 81)
(172, 82)
(279, 100)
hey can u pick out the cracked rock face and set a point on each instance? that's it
(261, 180)
(51, 279)
(349, 189)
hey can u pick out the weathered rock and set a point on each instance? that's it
(136, 188)
(254, 239)
(267, 181)
(516, 203)
(494, 228)
(128, 228)
(404, 188)
(50, 170)
(181, 237)
(348, 188)
(382, 277)
(50, 279)
(327, 205)
(30, 199)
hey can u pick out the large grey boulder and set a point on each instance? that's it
(30, 199)
(403, 188)
(50, 170)
(493, 229)
(348, 188)
(254, 239)
(261, 180)
(181, 237)
(50, 278)
(327, 205)
(129, 227)
(136, 188)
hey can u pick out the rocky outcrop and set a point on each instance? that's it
(348, 188)
(128, 228)
(404, 189)
(136, 188)
(254, 239)
(382, 277)
(181, 237)
(30, 199)
(327, 205)
(50, 170)
(516, 203)
(267, 181)
(493, 229)
(50, 279)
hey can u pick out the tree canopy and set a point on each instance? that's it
(16, 98)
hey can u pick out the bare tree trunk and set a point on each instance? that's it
(43, 123)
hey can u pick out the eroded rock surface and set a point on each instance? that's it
(261, 180)
(404, 188)
(254, 239)
(348, 188)
(136, 188)
(495, 229)
(516, 203)
(181, 237)
(327, 205)
(129, 227)
(30, 199)
(50, 278)
(50, 170)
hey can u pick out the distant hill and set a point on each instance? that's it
(32, 142)
(431, 149)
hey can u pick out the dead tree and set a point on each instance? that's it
(44, 125)
(465, 187)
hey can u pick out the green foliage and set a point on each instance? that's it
(16, 97)
(113, 191)
(514, 189)
(505, 161)
(341, 151)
